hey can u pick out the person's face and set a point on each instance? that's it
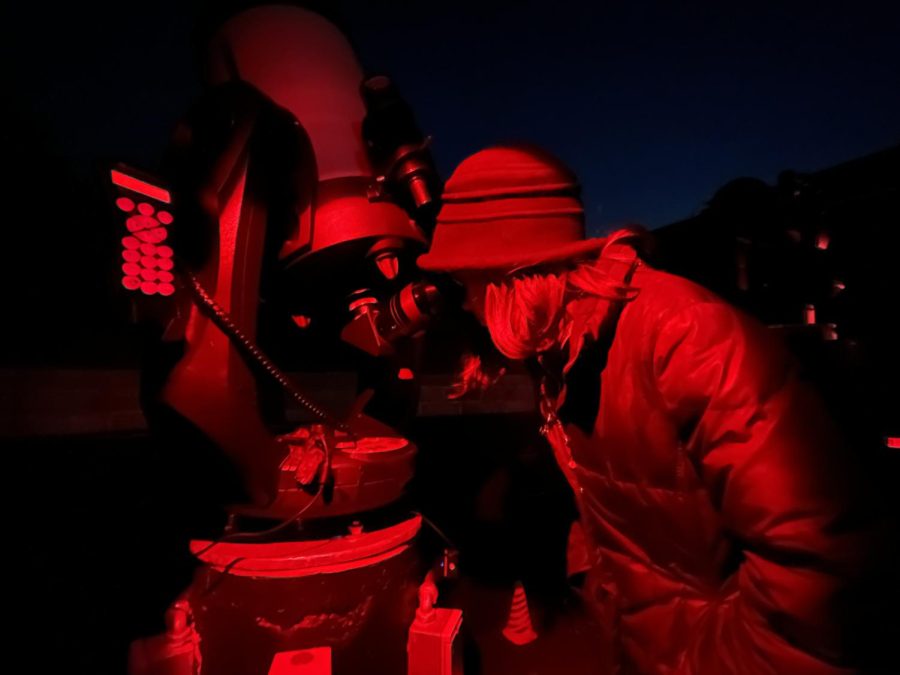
(475, 285)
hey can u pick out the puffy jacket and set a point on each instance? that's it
(712, 493)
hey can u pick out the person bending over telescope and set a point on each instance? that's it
(714, 499)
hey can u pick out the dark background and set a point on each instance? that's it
(655, 105)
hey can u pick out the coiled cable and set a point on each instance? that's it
(252, 352)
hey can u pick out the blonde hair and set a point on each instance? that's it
(532, 311)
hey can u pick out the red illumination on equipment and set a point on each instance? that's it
(892, 442)
(405, 374)
(139, 186)
(388, 264)
(822, 241)
(143, 222)
(153, 236)
(314, 661)
(433, 646)
(362, 302)
(809, 315)
(125, 204)
(294, 559)
(147, 266)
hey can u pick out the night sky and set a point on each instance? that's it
(654, 106)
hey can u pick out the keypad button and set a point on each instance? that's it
(125, 204)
